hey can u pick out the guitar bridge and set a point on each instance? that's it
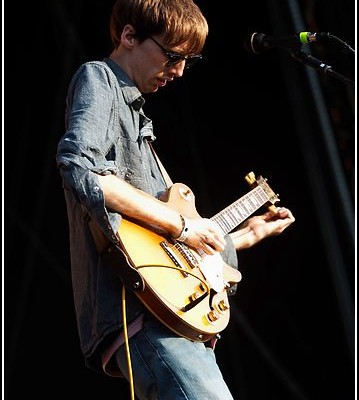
(187, 254)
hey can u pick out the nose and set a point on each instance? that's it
(178, 68)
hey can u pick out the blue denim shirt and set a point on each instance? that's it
(107, 132)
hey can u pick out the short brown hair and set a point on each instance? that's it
(179, 21)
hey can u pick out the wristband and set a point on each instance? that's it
(185, 230)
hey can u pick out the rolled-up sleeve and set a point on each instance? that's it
(81, 153)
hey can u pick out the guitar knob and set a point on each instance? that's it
(212, 316)
(223, 305)
(198, 293)
(195, 296)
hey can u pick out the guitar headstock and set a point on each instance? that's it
(262, 182)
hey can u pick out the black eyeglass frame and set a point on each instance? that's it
(175, 58)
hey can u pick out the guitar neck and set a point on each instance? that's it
(233, 215)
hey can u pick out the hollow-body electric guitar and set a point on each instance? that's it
(184, 289)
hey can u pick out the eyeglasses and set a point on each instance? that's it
(175, 58)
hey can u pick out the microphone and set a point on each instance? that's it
(258, 42)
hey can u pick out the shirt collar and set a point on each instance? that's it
(130, 91)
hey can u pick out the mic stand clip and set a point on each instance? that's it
(308, 59)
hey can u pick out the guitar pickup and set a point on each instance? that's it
(174, 258)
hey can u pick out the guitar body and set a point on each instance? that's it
(173, 277)
(185, 290)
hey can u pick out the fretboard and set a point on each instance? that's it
(237, 212)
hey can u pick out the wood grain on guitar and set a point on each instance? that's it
(186, 290)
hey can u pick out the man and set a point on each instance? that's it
(110, 175)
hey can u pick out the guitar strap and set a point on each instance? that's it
(165, 175)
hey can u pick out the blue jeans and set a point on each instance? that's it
(168, 367)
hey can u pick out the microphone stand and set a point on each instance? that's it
(307, 59)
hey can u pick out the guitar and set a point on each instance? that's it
(188, 291)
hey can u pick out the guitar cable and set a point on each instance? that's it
(124, 318)
(128, 355)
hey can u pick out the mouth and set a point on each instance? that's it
(162, 82)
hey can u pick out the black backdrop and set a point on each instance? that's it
(291, 334)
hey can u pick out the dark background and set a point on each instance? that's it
(291, 333)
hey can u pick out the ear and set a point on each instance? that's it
(128, 36)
